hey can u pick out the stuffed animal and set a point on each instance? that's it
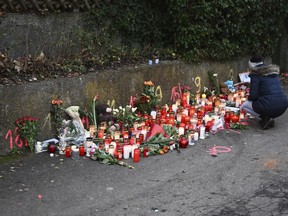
(230, 86)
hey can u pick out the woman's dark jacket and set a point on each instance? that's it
(266, 92)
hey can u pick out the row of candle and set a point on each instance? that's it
(191, 120)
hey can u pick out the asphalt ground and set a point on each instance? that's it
(251, 180)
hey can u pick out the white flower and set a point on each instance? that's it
(120, 108)
(128, 106)
(108, 110)
(134, 109)
(115, 111)
(215, 75)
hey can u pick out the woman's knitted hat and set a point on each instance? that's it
(255, 61)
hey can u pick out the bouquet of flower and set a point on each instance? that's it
(56, 114)
(28, 129)
(126, 115)
(148, 100)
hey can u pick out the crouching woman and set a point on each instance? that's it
(267, 99)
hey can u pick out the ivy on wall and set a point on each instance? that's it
(118, 33)
(190, 29)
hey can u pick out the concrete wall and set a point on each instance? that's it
(34, 98)
(54, 34)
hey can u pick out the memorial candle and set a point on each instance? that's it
(136, 157)
(81, 150)
(202, 132)
(181, 130)
(196, 136)
(117, 135)
(68, 152)
(126, 151)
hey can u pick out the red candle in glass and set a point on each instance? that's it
(163, 111)
(119, 153)
(227, 117)
(235, 118)
(146, 116)
(200, 113)
(52, 147)
(187, 119)
(199, 122)
(100, 133)
(106, 144)
(192, 111)
(183, 118)
(81, 150)
(171, 121)
(145, 152)
(208, 125)
(136, 155)
(68, 151)
(183, 142)
(141, 138)
(184, 99)
(125, 134)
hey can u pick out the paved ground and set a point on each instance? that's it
(251, 180)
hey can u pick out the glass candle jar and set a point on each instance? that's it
(136, 157)
(81, 150)
(145, 152)
(68, 152)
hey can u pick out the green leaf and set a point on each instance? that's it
(105, 161)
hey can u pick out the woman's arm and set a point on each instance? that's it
(254, 88)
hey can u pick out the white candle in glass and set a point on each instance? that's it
(202, 132)
(237, 102)
(194, 120)
(216, 110)
(181, 131)
(117, 135)
(206, 118)
(203, 103)
(191, 138)
(135, 126)
(126, 151)
(112, 148)
(185, 112)
(196, 136)
(188, 98)
(179, 117)
(153, 114)
(174, 108)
